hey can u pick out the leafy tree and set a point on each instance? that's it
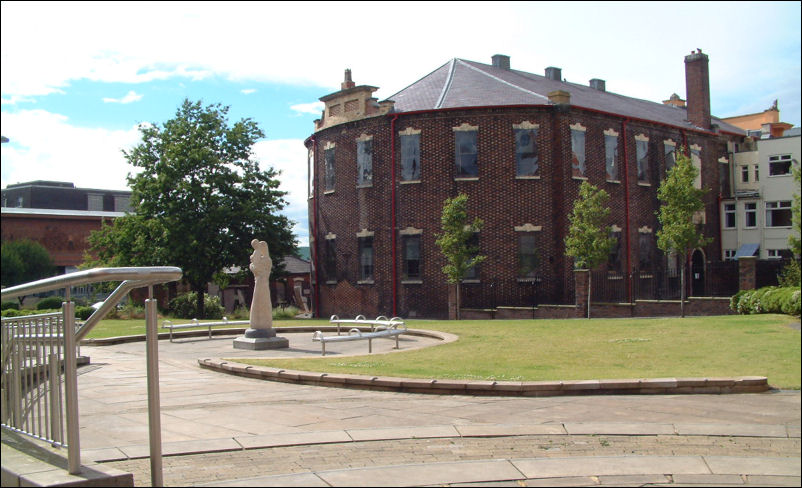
(455, 241)
(199, 199)
(796, 219)
(23, 261)
(588, 240)
(680, 201)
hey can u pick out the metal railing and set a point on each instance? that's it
(38, 349)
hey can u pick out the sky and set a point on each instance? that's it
(79, 78)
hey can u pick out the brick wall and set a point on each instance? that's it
(497, 196)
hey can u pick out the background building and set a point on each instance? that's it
(519, 145)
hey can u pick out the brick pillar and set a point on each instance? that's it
(747, 273)
(581, 277)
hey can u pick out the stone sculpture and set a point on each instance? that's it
(260, 333)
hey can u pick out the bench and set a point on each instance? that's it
(381, 327)
(167, 324)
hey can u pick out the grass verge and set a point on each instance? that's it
(538, 350)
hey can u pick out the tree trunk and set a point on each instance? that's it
(200, 306)
(458, 299)
(589, 278)
(682, 290)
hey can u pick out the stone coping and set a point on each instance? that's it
(646, 386)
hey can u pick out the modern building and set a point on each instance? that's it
(57, 195)
(756, 218)
(519, 145)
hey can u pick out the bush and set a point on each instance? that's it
(791, 275)
(12, 312)
(9, 305)
(52, 302)
(770, 299)
(83, 313)
(185, 306)
(285, 313)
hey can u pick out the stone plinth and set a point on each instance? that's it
(261, 343)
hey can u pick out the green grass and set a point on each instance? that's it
(115, 328)
(533, 350)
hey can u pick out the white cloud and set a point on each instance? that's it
(314, 108)
(129, 97)
(44, 146)
(289, 156)
(248, 91)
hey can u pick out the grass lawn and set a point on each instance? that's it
(532, 350)
(115, 328)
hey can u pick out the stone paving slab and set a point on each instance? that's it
(742, 430)
(754, 466)
(402, 433)
(423, 474)
(293, 439)
(610, 466)
(301, 479)
(494, 430)
(619, 429)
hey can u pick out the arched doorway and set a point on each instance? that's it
(698, 273)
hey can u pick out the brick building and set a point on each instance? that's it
(519, 145)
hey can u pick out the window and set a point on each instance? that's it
(642, 153)
(750, 214)
(780, 165)
(465, 153)
(473, 243)
(577, 153)
(773, 253)
(724, 176)
(528, 255)
(644, 251)
(364, 162)
(366, 258)
(412, 257)
(328, 156)
(614, 259)
(729, 215)
(94, 202)
(670, 153)
(331, 260)
(757, 173)
(310, 167)
(611, 156)
(744, 174)
(410, 157)
(778, 214)
(729, 254)
(526, 156)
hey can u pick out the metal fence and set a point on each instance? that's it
(490, 294)
(38, 350)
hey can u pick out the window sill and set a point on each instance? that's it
(466, 178)
(529, 280)
(778, 227)
(641, 183)
(614, 181)
(410, 182)
(411, 282)
(365, 282)
(527, 177)
(331, 282)
(328, 192)
(580, 178)
(365, 186)
(471, 282)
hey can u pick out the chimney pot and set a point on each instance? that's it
(347, 83)
(501, 61)
(598, 84)
(553, 73)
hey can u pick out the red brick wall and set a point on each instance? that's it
(64, 237)
(500, 199)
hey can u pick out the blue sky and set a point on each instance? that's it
(77, 78)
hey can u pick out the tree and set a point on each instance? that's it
(199, 199)
(588, 240)
(455, 241)
(680, 201)
(796, 219)
(24, 261)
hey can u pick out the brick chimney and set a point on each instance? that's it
(501, 61)
(553, 73)
(697, 89)
(347, 83)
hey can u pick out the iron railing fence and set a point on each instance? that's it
(38, 350)
(530, 292)
(723, 278)
(767, 271)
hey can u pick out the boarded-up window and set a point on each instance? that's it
(526, 153)
(642, 153)
(528, 255)
(412, 256)
(366, 258)
(465, 153)
(611, 157)
(328, 156)
(364, 163)
(410, 157)
(577, 153)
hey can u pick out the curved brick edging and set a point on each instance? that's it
(649, 386)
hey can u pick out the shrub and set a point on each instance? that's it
(185, 306)
(284, 313)
(12, 312)
(241, 313)
(83, 312)
(791, 275)
(53, 302)
(770, 299)
(9, 305)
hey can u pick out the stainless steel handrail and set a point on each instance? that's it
(131, 278)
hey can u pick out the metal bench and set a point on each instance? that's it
(381, 327)
(167, 324)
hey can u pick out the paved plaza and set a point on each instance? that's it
(225, 430)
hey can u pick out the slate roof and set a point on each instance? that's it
(463, 83)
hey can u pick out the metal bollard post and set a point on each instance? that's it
(71, 389)
(154, 406)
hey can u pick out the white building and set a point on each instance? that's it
(756, 220)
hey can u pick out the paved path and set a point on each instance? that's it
(225, 430)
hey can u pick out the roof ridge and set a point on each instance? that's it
(502, 81)
(446, 85)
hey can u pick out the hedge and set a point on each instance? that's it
(770, 299)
